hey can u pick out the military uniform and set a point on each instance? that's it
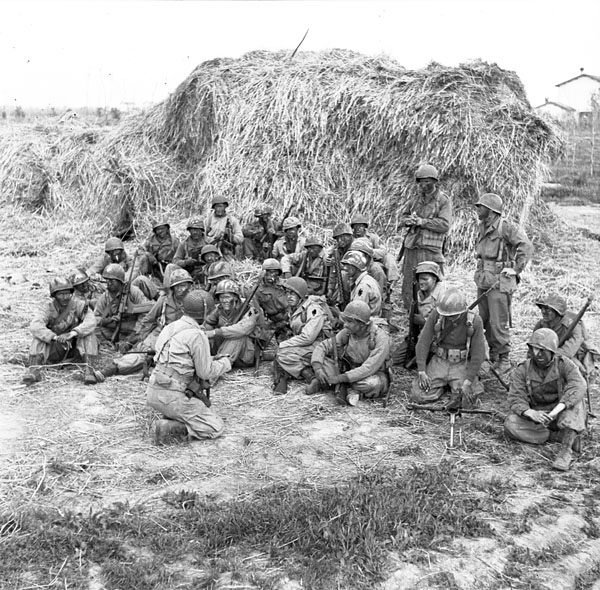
(187, 257)
(226, 228)
(366, 289)
(183, 354)
(108, 306)
(258, 239)
(300, 261)
(333, 295)
(272, 301)
(155, 254)
(283, 246)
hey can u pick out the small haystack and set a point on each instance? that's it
(334, 132)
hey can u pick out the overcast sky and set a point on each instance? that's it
(106, 53)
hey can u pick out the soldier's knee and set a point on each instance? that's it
(525, 430)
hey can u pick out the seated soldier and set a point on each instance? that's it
(63, 330)
(118, 309)
(222, 229)
(337, 298)
(188, 254)
(259, 235)
(453, 338)
(546, 399)
(373, 268)
(290, 242)
(309, 263)
(83, 290)
(217, 272)
(272, 300)
(230, 326)
(363, 287)
(363, 351)
(183, 369)
(309, 320)
(428, 289)
(157, 251)
(316, 285)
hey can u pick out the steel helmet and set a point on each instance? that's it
(297, 285)
(271, 264)
(60, 284)
(179, 276)
(195, 223)
(159, 223)
(193, 305)
(114, 271)
(207, 249)
(451, 302)
(362, 245)
(491, 201)
(313, 241)
(427, 171)
(359, 218)
(356, 259)
(79, 278)
(227, 286)
(113, 244)
(290, 222)
(357, 310)
(219, 269)
(340, 229)
(263, 210)
(555, 302)
(544, 338)
(430, 267)
(219, 200)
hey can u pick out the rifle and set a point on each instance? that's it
(302, 265)
(123, 300)
(246, 305)
(403, 246)
(339, 394)
(344, 297)
(411, 339)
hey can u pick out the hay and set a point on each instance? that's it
(333, 132)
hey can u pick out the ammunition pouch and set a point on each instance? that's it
(452, 355)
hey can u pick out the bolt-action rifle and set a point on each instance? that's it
(413, 331)
(343, 293)
(123, 302)
(246, 305)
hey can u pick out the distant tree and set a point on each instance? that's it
(115, 114)
(19, 113)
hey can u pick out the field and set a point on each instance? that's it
(299, 492)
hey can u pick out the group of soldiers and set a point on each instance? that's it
(320, 314)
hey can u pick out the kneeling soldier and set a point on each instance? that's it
(546, 399)
(363, 352)
(183, 367)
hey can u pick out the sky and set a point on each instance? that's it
(135, 52)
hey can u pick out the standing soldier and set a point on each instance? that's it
(428, 217)
(546, 399)
(183, 366)
(222, 229)
(290, 242)
(271, 298)
(157, 251)
(305, 264)
(337, 288)
(503, 251)
(362, 351)
(62, 329)
(259, 235)
(188, 255)
(363, 286)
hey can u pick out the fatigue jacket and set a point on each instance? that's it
(108, 305)
(222, 323)
(572, 347)
(366, 289)
(541, 389)
(164, 312)
(257, 231)
(283, 246)
(313, 267)
(103, 261)
(217, 229)
(333, 295)
(436, 213)
(365, 356)
(273, 301)
(164, 250)
(190, 249)
(307, 322)
(51, 322)
(426, 303)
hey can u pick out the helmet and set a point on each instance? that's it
(263, 210)
(114, 271)
(357, 310)
(193, 305)
(78, 278)
(430, 267)
(290, 222)
(359, 218)
(219, 269)
(313, 241)
(179, 276)
(451, 302)
(159, 223)
(209, 248)
(356, 259)
(362, 245)
(491, 201)
(427, 171)
(297, 285)
(544, 338)
(219, 200)
(195, 223)
(113, 244)
(227, 286)
(340, 229)
(271, 264)
(60, 284)
(554, 302)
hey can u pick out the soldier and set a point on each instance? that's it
(363, 286)
(428, 217)
(183, 366)
(309, 319)
(342, 234)
(63, 330)
(117, 309)
(309, 263)
(229, 328)
(188, 255)
(83, 288)
(222, 229)
(259, 235)
(272, 300)
(373, 268)
(210, 254)
(453, 337)
(503, 251)
(290, 242)
(363, 351)
(157, 251)
(546, 399)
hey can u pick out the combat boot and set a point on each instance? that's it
(90, 375)
(307, 374)
(565, 455)
(280, 379)
(33, 374)
(352, 397)
(109, 371)
(313, 387)
(502, 365)
(169, 431)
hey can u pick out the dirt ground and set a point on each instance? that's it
(69, 446)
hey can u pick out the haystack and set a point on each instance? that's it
(333, 133)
